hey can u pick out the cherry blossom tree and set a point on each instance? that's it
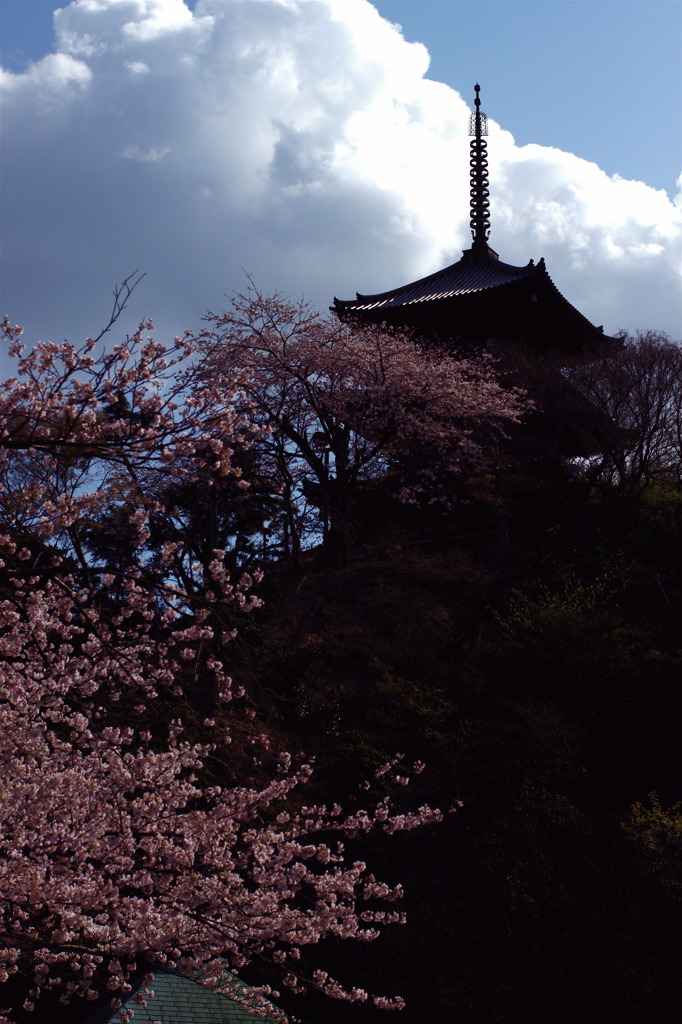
(126, 842)
(343, 404)
(83, 437)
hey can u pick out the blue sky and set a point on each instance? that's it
(314, 145)
(599, 78)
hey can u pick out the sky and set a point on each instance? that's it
(321, 146)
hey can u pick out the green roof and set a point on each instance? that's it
(180, 1000)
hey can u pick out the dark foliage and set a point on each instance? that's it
(536, 672)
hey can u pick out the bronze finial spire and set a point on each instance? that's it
(478, 162)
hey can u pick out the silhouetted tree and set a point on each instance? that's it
(640, 391)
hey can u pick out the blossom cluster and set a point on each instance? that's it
(119, 850)
(347, 403)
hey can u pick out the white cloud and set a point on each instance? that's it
(136, 67)
(300, 141)
(56, 75)
(145, 155)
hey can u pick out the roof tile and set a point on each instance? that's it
(180, 1000)
(464, 277)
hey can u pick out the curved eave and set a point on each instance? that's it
(466, 277)
(565, 304)
(463, 285)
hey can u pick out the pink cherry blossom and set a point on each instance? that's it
(342, 404)
(116, 854)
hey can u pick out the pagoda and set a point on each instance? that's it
(479, 301)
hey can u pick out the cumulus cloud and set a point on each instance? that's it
(300, 141)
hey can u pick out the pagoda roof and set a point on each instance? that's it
(484, 296)
(466, 277)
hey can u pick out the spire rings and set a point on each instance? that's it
(479, 204)
(478, 192)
